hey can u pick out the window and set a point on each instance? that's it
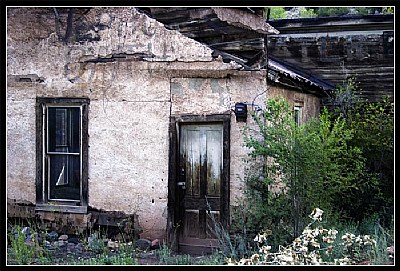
(62, 150)
(298, 112)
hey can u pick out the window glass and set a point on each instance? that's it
(64, 177)
(63, 136)
(297, 114)
(63, 129)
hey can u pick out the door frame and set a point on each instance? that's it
(173, 223)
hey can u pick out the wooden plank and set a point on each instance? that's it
(240, 45)
(191, 25)
(356, 22)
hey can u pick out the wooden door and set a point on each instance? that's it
(200, 184)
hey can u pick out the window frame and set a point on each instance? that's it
(298, 114)
(43, 200)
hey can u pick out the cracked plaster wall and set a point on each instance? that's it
(130, 100)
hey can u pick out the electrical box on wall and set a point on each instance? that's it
(241, 112)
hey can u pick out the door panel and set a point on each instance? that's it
(214, 162)
(201, 157)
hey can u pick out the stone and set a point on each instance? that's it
(155, 244)
(112, 244)
(26, 230)
(52, 236)
(63, 237)
(70, 246)
(73, 240)
(143, 244)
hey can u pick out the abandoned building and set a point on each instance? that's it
(337, 48)
(133, 117)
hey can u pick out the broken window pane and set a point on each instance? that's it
(64, 177)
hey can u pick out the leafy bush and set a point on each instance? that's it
(372, 124)
(295, 168)
(277, 13)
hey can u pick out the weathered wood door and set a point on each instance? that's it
(200, 184)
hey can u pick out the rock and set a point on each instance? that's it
(80, 247)
(52, 236)
(143, 244)
(60, 243)
(48, 245)
(63, 237)
(26, 230)
(70, 246)
(73, 240)
(112, 244)
(155, 244)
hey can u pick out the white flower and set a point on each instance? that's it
(255, 257)
(315, 260)
(366, 237)
(229, 261)
(259, 238)
(316, 214)
(285, 258)
(314, 243)
(332, 232)
(303, 249)
(328, 239)
(316, 232)
(244, 262)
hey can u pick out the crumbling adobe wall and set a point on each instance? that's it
(123, 62)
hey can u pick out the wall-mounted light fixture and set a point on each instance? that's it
(241, 112)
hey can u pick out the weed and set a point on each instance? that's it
(166, 257)
(122, 258)
(379, 253)
(24, 246)
(216, 258)
(231, 246)
(164, 254)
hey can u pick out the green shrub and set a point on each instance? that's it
(372, 124)
(313, 164)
